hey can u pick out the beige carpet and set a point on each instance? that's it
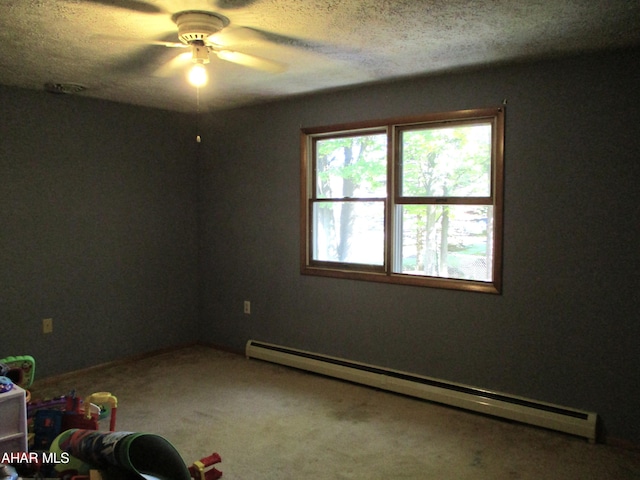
(272, 422)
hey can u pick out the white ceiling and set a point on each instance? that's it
(103, 45)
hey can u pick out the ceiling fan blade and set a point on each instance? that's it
(338, 52)
(173, 66)
(131, 5)
(235, 35)
(142, 60)
(166, 40)
(251, 61)
(167, 44)
(279, 39)
(233, 4)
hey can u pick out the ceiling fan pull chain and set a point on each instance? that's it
(198, 115)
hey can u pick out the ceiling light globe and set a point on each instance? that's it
(198, 76)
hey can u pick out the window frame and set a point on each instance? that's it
(392, 127)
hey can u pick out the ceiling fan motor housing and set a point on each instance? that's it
(194, 26)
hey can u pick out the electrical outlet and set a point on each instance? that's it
(47, 325)
(247, 307)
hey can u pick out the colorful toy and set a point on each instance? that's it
(49, 418)
(22, 369)
(85, 415)
(46, 427)
(57, 403)
(130, 455)
(103, 399)
(74, 466)
(204, 469)
(5, 384)
(8, 473)
(68, 426)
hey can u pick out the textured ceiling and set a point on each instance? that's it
(104, 45)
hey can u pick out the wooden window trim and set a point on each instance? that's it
(496, 116)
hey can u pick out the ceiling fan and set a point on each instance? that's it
(205, 33)
(196, 31)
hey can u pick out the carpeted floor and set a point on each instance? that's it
(272, 422)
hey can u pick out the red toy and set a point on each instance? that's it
(204, 469)
(83, 418)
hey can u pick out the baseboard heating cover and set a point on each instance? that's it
(532, 412)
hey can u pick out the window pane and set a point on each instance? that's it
(446, 162)
(351, 167)
(350, 232)
(450, 241)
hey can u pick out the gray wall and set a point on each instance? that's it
(98, 229)
(565, 329)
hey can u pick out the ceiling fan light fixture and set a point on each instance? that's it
(199, 53)
(196, 25)
(198, 76)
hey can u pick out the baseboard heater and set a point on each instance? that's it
(532, 412)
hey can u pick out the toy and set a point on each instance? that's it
(103, 399)
(8, 473)
(86, 416)
(46, 428)
(57, 403)
(5, 384)
(204, 469)
(74, 466)
(130, 455)
(22, 369)
(51, 417)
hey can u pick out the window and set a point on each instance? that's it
(413, 201)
